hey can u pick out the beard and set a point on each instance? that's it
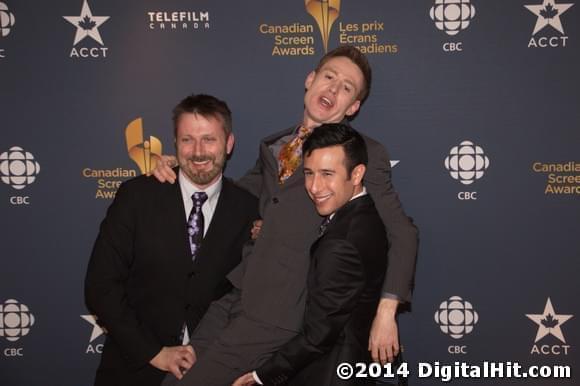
(204, 177)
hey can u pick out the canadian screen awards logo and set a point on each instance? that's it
(15, 323)
(452, 17)
(298, 39)
(550, 323)
(6, 23)
(18, 168)
(456, 317)
(548, 15)
(144, 151)
(466, 163)
(86, 26)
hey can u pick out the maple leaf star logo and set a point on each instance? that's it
(548, 13)
(549, 322)
(97, 330)
(87, 24)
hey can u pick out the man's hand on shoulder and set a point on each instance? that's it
(163, 170)
(384, 337)
(176, 360)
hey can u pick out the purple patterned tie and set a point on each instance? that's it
(195, 223)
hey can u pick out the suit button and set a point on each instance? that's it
(275, 200)
(191, 274)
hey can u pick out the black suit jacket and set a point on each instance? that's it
(141, 281)
(346, 274)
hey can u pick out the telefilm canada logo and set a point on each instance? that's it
(18, 169)
(456, 318)
(467, 163)
(16, 321)
(452, 17)
(7, 21)
(548, 30)
(184, 20)
(301, 38)
(549, 338)
(87, 26)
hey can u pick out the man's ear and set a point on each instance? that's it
(309, 80)
(353, 108)
(358, 174)
(230, 143)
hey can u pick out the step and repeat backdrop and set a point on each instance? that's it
(477, 102)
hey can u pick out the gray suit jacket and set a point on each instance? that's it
(273, 273)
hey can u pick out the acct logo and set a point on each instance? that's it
(548, 14)
(15, 320)
(87, 25)
(18, 168)
(96, 332)
(549, 323)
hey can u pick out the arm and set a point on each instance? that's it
(333, 291)
(106, 279)
(403, 238)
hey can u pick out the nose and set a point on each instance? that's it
(334, 87)
(197, 148)
(315, 184)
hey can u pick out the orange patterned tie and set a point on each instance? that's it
(291, 155)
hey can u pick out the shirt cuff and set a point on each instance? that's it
(388, 295)
(256, 378)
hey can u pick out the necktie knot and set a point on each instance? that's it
(324, 225)
(198, 199)
(291, 155)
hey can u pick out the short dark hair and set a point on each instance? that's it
(358, 58)
(338, 134)
(206, 106)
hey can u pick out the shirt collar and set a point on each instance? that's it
(362, 193)
(188, 188)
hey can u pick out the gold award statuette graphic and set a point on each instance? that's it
(142, 152)
(325, 12)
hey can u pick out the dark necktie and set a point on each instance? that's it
(323, 226)
(195, 223)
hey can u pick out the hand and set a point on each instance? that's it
(384, 337)
(256, 228)
(176, 360)
(163, 171)
(245, 380)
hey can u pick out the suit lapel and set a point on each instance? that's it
(173, 212)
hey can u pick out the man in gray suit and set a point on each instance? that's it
(267, 308)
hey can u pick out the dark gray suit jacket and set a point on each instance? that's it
(279, 260)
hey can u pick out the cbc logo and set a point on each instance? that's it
(15, 320)
(456, 317)
(452, 16)
(6, 20)
(18, 168)
(466, 162)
